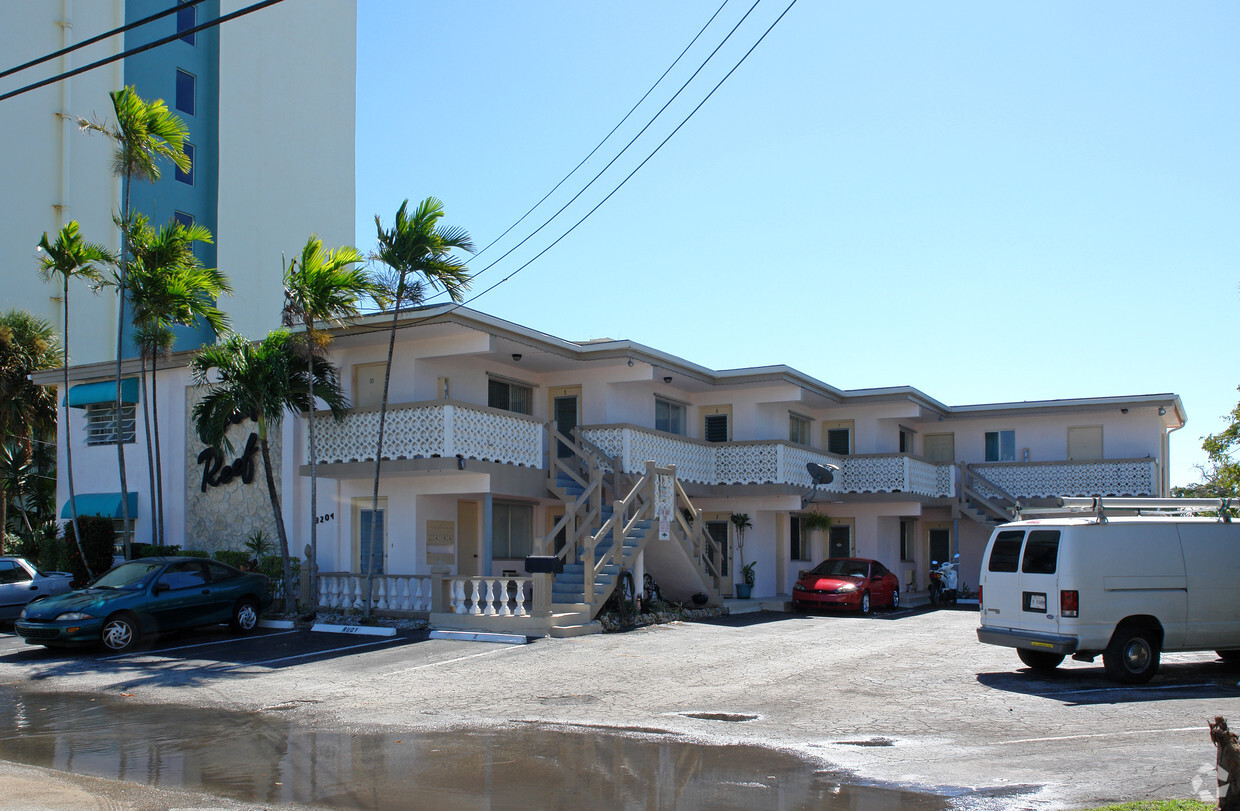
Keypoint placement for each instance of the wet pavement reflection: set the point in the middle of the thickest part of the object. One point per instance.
(262, 758)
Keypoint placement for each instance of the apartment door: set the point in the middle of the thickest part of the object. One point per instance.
(1085, 442)
(717, 527)
(939, 448)
(939, 539)
(368, 385)
(566, 411)
(369, 535)
(840, 540)
(468, 538)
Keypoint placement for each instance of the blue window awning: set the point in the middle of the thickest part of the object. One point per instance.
(103, 392)
(106, 504)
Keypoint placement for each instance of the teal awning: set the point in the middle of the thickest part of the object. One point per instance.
(104, 392)
(106, 504)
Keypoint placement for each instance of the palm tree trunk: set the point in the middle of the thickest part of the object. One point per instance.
(120, 339)
(159, 468)
(314, 480)
(374, 501)
(274, 495)
(150, 451)
(77, 531)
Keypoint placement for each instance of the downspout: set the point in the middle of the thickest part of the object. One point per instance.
(67, 122)
(1166, 459)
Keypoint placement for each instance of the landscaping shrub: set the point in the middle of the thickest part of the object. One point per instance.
(233, 557)
(98, 539)
(193, 553)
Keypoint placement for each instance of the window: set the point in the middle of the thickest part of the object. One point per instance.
(798, 429)
(799, 540)
(669, 416)
(186, 575)
(188, 176)
(101, 426)
(509, 396)
(837, 437)
(185, 91)
(716, 423)
(182, 219)
(186, 19)
(220, 572)
(906, 441)
(1006, 551)
(1042, 552)
(512, 530)
(1000, 446)
(906, 540)
(10, 572)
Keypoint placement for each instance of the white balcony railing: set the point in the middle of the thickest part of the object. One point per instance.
(1109, 477)
(440, 428)
(770, 462)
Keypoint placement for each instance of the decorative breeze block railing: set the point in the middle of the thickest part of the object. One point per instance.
(1125, 477)
(432, 429)
(390, 592)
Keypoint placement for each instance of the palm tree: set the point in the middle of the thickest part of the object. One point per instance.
(264, 380)
(71, 257)
(144, 132)
(321, 286)
(167, 286)
(418, 253)
(27, 410)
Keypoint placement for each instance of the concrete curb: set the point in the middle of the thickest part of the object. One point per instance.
(356, 630)
(476, 636)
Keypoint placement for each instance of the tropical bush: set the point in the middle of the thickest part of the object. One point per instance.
(98, 540)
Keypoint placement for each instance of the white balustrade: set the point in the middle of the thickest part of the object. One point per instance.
(432, 429)
(390, 592)
(491, 596)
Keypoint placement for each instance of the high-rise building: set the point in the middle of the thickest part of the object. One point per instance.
(269, 101)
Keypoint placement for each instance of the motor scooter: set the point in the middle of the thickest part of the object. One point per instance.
(943, 581)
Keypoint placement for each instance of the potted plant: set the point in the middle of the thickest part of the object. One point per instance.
(816, 521)
(741, 522)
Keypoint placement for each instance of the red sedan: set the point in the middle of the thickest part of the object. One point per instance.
(847, 583)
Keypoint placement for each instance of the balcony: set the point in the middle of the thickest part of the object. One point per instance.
(1102, 477)
(769, 462)
(440, 428)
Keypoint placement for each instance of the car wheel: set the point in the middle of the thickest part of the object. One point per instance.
(865, 603)
(120, 633)
(895, 599)
(1040, 660)
(244, 616)
(1132, 655)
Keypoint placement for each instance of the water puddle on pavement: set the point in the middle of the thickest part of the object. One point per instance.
(263, 758)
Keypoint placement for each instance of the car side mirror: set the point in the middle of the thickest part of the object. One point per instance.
(160, 588)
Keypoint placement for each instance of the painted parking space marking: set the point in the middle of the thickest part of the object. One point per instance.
(1110, 734)
(388, 642)
(230, 641)
(504, 649)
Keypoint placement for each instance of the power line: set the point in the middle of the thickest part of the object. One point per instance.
(104, 35)
(633, 140)
(457, 306)
(132, 51)
(605, 137)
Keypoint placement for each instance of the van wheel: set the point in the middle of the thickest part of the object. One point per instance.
(1132, 656)
(1039, 660)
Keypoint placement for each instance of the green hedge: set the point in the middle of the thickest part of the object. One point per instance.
(233, 557)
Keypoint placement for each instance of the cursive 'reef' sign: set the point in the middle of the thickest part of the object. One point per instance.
(215, 472)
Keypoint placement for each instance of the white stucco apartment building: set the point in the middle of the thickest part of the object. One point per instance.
(475, 477)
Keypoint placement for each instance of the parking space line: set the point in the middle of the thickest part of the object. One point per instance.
(388, 641)
(504, 649)
(1110, 734)
(229, 641)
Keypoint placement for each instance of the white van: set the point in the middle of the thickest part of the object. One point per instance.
(1126, 585)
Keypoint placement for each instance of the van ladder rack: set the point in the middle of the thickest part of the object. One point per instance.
(1132, 506)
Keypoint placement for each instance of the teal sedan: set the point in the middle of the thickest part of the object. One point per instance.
(146, 596)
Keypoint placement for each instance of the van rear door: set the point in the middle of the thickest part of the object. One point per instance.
(1001, 579)
(1039, 582)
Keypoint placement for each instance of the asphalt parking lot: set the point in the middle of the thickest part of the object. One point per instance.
(906, 698)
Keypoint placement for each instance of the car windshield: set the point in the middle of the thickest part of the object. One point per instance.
(837, 567)
(132, 575)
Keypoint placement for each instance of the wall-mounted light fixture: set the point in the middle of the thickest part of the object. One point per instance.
(1123, 411)
(1162, 412)
(667, 379)
(630, 363)
(516, 357)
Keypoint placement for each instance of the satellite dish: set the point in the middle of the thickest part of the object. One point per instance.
(821, 474)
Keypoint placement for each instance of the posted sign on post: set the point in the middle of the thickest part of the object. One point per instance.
(664, 503)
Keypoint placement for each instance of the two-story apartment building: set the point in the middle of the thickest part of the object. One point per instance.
(502, 442)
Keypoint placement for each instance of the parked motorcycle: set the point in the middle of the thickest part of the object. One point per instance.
(943, 580)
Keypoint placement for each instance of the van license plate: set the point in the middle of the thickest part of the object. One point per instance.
(1035, 602)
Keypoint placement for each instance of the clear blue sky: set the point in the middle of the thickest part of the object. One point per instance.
(987, 201)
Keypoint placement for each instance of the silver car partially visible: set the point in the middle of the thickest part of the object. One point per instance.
(21, 582)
